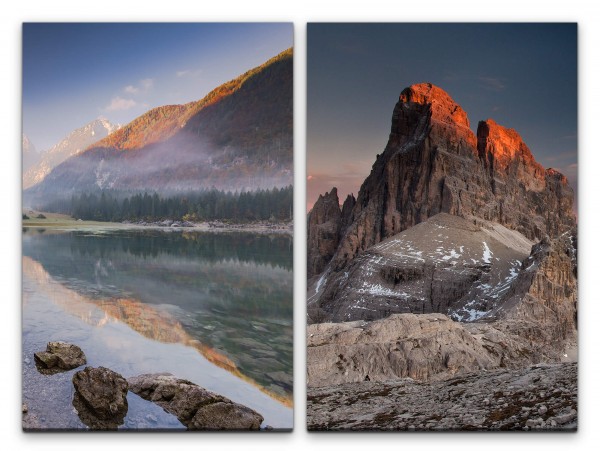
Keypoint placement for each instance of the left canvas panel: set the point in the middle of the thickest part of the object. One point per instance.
(157, 226)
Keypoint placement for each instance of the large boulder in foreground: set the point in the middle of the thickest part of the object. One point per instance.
(425, 347)
(194, 406)
(59, 356)
(100, 397)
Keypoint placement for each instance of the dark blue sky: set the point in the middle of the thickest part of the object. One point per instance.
(524, 76)
(74, 73)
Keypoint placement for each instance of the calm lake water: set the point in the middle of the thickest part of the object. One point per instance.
(216, 309)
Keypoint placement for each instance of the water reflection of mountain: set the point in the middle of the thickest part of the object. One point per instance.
(236, 305)
(205, 267)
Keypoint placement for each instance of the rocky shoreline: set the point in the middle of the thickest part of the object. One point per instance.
(66, 222)
(100, 396)
(254, 227)
(538, 398)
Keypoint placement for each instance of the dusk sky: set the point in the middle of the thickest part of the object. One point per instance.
(524, 76)
(75, 73)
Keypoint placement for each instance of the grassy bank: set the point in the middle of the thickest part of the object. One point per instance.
(49, 220)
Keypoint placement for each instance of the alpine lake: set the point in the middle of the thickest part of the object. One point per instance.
(213, 308)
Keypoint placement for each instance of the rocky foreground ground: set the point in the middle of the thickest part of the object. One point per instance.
(539, 397)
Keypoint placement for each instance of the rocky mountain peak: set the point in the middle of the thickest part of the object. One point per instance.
(72, 144)
(425, 109)
(324, 221)
(327, 206)
(502, 145)
(559, 176)
(27, 145)
(433, 163)
(443, 107)
(31, 157)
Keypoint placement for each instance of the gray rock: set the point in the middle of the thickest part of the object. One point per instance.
(46, 360)
(566, 418)
(422, 347)
(100, 397)
(438, 266)
(59, 356)
(194, 406)
(225, 415)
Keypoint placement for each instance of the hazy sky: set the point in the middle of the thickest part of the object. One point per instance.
(524, 76)
(74, 73)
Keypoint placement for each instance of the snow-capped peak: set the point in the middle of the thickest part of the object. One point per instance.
(72, 144)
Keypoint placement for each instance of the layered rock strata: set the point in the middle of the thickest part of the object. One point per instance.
(426, 347)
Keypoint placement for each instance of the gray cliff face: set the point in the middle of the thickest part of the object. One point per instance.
(327, 224)
(324, 221)
(434, 163)
(542, 301)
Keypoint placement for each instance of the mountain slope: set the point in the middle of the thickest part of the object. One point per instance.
(440, 265)
(239, 136)
(72, 144)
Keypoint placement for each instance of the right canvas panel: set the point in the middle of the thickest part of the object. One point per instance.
(442, 227)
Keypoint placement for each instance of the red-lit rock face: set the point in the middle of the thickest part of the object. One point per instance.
(424, 109)
(443, 108)
(433, 163)
(502, 144)
(506, 156)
